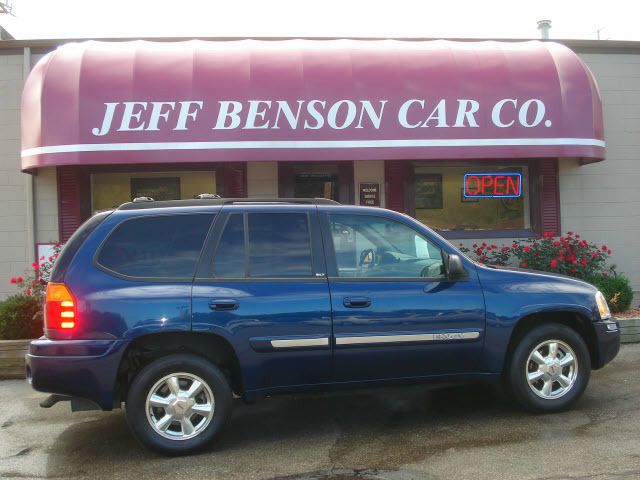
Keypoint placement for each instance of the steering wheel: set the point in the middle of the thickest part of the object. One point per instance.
(370, 254)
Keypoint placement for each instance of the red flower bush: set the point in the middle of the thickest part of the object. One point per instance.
(567, 254)
(489, 254)
(34, 283)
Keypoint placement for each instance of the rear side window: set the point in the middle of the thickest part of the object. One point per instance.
(73, 244)
(277, 245)
(164, 246)
(229, 260)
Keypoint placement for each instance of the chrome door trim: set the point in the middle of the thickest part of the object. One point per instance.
(300, 342)
(444, 336)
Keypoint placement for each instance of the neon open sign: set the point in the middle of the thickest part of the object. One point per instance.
(493, 185)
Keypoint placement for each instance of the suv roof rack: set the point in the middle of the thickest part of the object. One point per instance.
(137, 205)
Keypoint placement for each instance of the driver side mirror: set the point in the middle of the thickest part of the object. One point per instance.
(455, 268)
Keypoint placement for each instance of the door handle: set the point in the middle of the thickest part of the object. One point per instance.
(356, 302)
(223, 304)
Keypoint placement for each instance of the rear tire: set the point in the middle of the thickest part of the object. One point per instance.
(549, 369)
(176, 405)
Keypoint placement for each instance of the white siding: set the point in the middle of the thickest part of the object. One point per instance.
(262, 179)
(602, 200)
(45, 192)
(14, 251)
(369, 171)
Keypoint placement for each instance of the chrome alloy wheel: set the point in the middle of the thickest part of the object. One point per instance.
(552, 369)
(180, 406)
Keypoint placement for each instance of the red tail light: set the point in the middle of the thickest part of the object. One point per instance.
(60, 310)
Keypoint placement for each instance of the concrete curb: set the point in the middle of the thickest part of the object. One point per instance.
(12, 354)
(629, 330)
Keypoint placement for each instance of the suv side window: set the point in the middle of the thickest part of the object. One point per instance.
(162, 246)
(278, 245)
(367, 246)
(229, 260)
(73, 245)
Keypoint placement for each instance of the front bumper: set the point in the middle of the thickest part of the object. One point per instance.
(607, 341)
(76, 368)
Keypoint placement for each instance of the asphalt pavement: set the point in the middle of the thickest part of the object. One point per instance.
(403, 433)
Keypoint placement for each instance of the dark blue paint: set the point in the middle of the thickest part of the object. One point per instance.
(278, 309)
(406, 307)
(112, 311)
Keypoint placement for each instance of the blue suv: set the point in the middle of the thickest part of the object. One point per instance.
(174, 307)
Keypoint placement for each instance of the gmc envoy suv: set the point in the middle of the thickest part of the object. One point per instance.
(175, 307)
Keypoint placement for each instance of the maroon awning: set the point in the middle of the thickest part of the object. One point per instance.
(199, 101)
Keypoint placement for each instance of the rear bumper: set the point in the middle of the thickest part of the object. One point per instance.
(76, 368)
(607, 341)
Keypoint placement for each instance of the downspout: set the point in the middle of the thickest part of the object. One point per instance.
(31, 214)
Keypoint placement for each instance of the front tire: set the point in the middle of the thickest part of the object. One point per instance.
(177, 404)
(549, 369)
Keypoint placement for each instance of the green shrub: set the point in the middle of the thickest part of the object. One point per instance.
(616, 290)
(20, 317)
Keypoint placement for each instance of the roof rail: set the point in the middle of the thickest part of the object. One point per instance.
(308, 201)
(144, 204)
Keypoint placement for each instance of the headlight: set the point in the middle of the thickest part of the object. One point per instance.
(603, 308)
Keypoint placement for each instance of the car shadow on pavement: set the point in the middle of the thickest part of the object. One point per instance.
(384, 429)
(89, 446)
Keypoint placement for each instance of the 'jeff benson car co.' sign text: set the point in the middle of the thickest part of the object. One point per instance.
(316, 114)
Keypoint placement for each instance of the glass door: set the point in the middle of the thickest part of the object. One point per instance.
(315, 185)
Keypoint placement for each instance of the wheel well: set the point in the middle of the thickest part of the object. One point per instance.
(144, 350)
(577, 322)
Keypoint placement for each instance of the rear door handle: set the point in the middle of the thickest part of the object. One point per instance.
(223, 304)
(356, 302)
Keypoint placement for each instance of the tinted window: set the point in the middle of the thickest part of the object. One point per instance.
(73, 244)
(279, 245)
(375, 247)
(229, 260)
(165, 246)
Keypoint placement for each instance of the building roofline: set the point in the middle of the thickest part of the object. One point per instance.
(595, 46)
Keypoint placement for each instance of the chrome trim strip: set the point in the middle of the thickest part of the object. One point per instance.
(300, 342)
(408, 337)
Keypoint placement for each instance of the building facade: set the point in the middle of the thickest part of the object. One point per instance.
(518, 184)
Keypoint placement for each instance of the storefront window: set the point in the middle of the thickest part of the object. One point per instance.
(109, 190)
(329, 180)
(316, 185)
(441, 203)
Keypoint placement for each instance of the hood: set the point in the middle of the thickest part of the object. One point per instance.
(539, 278)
